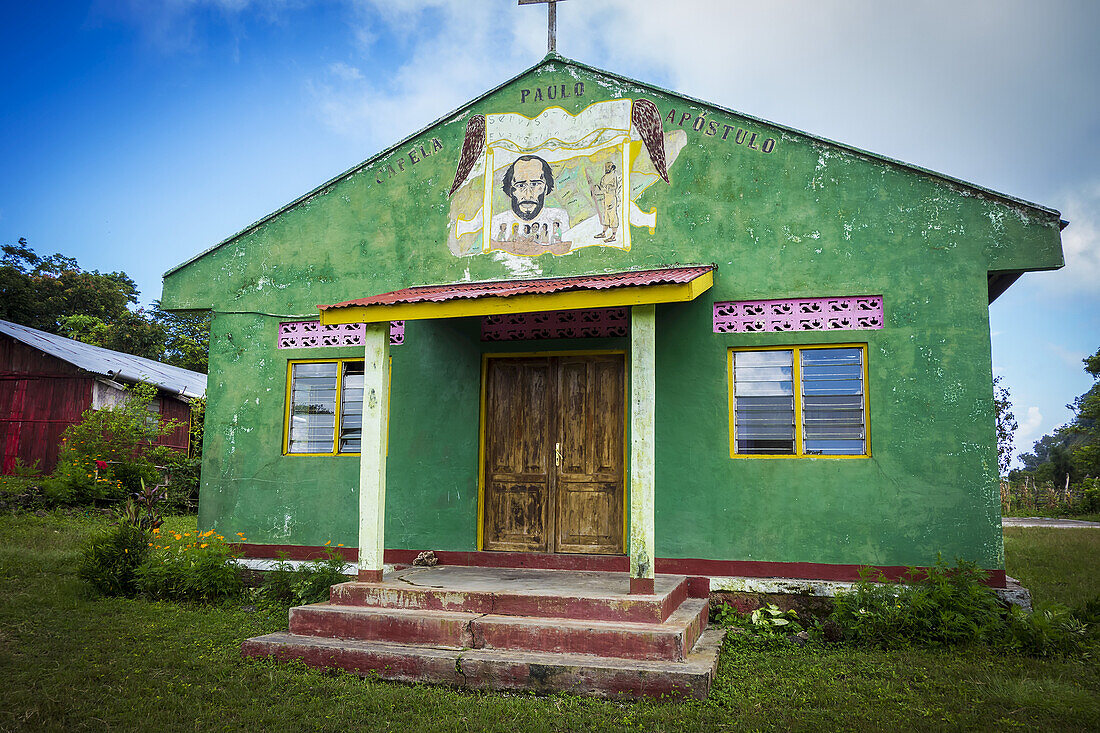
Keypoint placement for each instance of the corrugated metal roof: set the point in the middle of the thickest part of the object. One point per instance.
(505, 288)
(113, 364)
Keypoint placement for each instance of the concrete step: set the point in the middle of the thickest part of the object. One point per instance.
(542, 593)
(367, 623)
(497, 669)
(670, 640)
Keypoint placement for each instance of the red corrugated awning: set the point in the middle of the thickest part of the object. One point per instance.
(664, 285)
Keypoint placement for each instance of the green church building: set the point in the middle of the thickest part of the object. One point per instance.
(585, 323)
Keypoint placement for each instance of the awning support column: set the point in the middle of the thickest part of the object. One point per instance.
(372, 457)
(642, 410)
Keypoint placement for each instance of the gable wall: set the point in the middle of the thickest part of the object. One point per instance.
(806, 220)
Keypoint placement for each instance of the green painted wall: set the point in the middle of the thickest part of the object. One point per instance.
(808, 219)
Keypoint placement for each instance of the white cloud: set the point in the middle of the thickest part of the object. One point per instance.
(344, 71)
(456, 50)
(1081, 242)
(1029, 424)
(1070, 357)
(172, 26)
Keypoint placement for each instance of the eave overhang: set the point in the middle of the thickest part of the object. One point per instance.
(458, 300)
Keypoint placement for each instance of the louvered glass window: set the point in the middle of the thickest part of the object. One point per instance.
(802, 401)
(322, 396)
(763, 389)
(351, 409)
(832, 401)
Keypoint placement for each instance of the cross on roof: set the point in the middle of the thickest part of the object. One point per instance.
(551, 21)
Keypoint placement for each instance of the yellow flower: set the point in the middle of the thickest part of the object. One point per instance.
(156, 531)
(328, 543)
(203, 545)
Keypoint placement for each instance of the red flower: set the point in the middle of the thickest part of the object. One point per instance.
(101, 465)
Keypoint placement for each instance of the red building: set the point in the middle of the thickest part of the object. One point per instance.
(47, 382)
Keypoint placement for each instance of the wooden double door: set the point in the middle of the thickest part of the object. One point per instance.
(554, 454)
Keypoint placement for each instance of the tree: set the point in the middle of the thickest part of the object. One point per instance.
(1006, 425)
(54, 294)
(187, 337)
(1073, 449)
(40, 291)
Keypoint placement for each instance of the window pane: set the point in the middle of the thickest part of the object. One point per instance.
(312, 408)
(351, 408)
(763, 390)
(833, 422)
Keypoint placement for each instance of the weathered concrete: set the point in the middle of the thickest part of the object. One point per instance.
(372, 459)
(547, 593)
(503, 670)
(642, 422)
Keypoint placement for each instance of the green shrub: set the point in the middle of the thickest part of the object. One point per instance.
(767, 621)
(1090, 496)
(110, 559)
(952, 606)
(106, 456)
(309, 583)
(189, 567)
(943, 606)
(1044, 632)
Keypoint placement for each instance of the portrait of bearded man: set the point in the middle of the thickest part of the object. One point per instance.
(527, 182)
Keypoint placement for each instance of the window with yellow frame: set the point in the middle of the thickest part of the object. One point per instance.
(799, 401)
(324, 414)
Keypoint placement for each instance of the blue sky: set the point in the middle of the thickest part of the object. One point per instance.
(135, 134)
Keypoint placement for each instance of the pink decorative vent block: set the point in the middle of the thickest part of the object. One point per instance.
(802, 314)
(588, 323)
(311, 334)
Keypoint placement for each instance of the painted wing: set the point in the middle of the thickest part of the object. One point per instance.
(647, 121)
(472, 148)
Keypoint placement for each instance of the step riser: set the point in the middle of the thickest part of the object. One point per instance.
(400, 666)
(641, 610)
(381, 626)
(667, 646)
(472, 632)
(457, 670)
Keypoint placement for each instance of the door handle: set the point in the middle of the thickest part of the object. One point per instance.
(557, 454)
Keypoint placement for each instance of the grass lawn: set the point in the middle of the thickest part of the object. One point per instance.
(74, 662)
(1058, 565)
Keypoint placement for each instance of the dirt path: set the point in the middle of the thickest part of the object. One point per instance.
(1047, 522)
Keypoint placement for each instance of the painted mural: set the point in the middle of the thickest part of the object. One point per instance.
(557, 182)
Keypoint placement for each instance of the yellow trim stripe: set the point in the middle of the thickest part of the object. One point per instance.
(492, 305)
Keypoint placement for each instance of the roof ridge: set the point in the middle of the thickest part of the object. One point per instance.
(552, 57)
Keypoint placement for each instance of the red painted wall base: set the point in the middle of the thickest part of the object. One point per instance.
(641, 586)
(613, 563)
